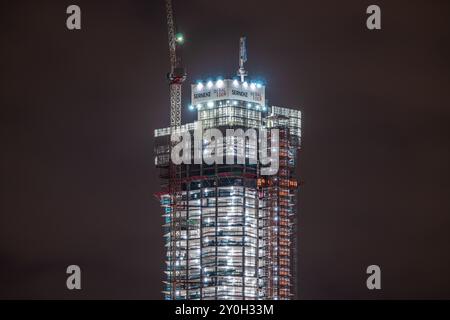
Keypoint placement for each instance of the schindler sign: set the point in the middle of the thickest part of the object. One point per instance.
(228, 89)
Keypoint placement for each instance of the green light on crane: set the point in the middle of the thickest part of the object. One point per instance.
(179, 38)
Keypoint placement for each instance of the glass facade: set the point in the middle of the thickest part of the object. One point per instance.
(229, 231)
(230, 113)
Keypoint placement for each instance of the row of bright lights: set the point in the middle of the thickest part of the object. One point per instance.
(210, 104)
(220, 83)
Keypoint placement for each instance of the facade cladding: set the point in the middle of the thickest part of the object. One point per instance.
(230, 231)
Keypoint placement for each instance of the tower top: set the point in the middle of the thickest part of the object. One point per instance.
(224, 89)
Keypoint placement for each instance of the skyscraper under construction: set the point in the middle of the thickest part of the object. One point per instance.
(230, 231)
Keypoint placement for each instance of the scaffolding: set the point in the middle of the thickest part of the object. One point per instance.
(232, 236)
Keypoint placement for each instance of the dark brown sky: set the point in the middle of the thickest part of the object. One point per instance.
(78, 110)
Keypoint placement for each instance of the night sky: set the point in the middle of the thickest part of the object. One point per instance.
(78, 110)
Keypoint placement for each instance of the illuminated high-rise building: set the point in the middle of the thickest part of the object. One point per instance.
(229, 230)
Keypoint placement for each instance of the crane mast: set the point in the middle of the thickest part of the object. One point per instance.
(177, 74)
(176, 77)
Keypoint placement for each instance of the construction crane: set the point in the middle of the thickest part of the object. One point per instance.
(176, 77)
(177, 74)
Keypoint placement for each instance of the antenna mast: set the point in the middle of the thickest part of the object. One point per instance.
(242, 73)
